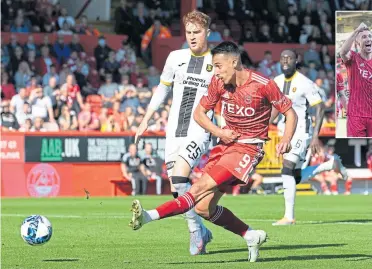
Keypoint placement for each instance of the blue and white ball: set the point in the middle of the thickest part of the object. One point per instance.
(36, 230)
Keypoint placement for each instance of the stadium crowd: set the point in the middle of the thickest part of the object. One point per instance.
(51, 87)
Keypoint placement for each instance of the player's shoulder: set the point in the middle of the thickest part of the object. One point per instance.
(279, 78)
(260, 78)
(180, 52)
(125, 156)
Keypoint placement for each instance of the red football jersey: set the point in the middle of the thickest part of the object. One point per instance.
(359, 73)
(247, 108)
(340, 83)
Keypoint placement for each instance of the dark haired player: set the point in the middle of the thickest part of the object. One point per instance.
(248, 98)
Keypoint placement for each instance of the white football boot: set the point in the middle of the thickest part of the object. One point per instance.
(254, 239)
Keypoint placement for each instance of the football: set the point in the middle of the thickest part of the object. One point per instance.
(36, 230)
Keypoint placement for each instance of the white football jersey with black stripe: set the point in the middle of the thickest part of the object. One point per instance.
(189, 76)
(304, 93)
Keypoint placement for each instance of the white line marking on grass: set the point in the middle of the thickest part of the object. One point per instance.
(128, 216)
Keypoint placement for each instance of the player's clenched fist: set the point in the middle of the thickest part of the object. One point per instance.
(361, 27)
(282, 147)
(228, 136)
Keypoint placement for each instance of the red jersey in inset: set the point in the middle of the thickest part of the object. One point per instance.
(247, 108)
(359, 73)
(340, 83)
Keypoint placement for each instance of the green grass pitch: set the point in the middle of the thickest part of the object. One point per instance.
(331, 232)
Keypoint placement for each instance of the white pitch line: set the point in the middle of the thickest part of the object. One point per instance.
(127, 216)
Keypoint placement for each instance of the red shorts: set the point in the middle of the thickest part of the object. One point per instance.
(359, 127)
(234, 163)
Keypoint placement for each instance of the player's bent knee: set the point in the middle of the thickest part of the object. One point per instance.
(202, 210)
(202, 187)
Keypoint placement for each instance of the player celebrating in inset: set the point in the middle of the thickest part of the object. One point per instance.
(359, 72)
(188, 73)
(303, 92)
(248, 98)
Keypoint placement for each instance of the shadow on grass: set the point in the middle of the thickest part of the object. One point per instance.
(276, 247)
(347, 257)
(61, 260)
(344, 221)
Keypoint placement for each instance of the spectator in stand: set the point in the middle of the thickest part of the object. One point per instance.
(141, 22)
(264, 34)
(128, 97)
(267, 65)
(152, 167)
(16, 104)
(38, 125)
(136, 123)
(13, 44)
(124, 88)
(111, 66)
(73, 91)
(280, 36)
(162, 122)
(8, 120)
(7, 88)
(72, 61)
(101, 52)
(48, 19)
(49, 89)
(67, 120)
(328, 36)
(32, 85)
(131, 167)
(19, 26)
(88, 120)
(65, 29)
(26, 127)
(51, 74)
(157, 30)
(124, 51)
(32, 61)
(324, 52)
(120, 120)
(282, 23)
(153, 78)
(123, 19)
(75, 44)
(5, 57)
(46, 43)
(61, 50)
(41, 106)
(128, 112)
(26, 21)
(24, 114)
(65, 18)
(312, 55)
(214, 35)
(293, 22)
(312, 72)
(30, 45)
(137, 74)
(16, 59)
(65, 71)
(247, 36)
(22, 76)
(226, 35)
(327, 65)
(108, 91)
(144, 96)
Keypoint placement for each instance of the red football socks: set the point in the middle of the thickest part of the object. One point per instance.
(226, 219)
(177, 206)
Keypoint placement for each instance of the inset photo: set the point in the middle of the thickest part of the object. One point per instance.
(353, 74)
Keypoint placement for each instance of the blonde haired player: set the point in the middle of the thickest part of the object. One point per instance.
(188, 73)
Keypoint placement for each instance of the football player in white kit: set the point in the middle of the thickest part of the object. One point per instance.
(303, 93)
(188, 73)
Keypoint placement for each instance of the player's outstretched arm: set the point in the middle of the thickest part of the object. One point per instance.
(157, 99)
(346, 47)
(290, 127)
(200, 116)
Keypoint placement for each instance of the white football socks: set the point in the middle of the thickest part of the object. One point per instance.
(194, 222)
(150, 215)
(289, 185)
